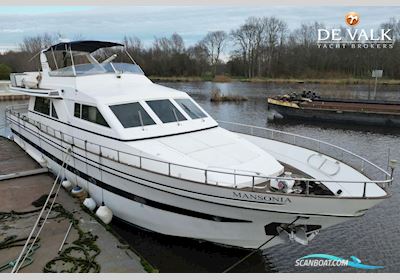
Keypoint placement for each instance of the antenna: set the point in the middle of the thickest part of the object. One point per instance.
(134, 62)
(33, 57)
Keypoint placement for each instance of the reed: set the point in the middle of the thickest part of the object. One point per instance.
(216, 96)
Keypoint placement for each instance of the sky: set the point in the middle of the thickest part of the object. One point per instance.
(147, 22)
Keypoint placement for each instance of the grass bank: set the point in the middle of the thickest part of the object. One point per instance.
(224, 79)
(227, 79)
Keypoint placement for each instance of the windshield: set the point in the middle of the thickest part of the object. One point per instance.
(190, 108)
(166, 111)
(93, 69)
(132, 115)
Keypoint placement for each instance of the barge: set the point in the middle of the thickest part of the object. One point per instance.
(314, 108)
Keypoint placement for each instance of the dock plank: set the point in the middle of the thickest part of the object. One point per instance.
(18, 194)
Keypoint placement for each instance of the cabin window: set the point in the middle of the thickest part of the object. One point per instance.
(42, 105)
(166, 111)
(132, 115)
(77, 110)
(190, 108)
(53, 111)
(45, 106)
(89, 113)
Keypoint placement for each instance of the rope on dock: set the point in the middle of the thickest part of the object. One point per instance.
(80, 257)
(13, 240)
(24, 253)
(254, 251)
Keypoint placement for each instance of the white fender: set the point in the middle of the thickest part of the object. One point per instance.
(66, 184)
(105, 214)
(89, 203)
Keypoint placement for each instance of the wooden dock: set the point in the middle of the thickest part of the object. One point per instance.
(92, 246)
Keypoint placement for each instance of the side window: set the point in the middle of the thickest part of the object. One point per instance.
(132, 115)
(93, 114)
(166, 111)
(89, 113)
(77, 110)
(42, 105)
(190, 108)
(53, 111)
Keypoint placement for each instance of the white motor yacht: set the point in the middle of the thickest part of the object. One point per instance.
(159, 161)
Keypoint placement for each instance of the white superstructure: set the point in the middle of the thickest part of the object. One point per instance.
(159, 161)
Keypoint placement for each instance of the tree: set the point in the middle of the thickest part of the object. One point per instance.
(215, 43)
(274, 32)
(177, 44)
(35, 44)
(5, 71)
(262, 46)
(199, 54)
(248, 38)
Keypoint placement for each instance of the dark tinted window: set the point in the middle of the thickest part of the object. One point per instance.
(190, 108)
(42, 105)
(166, 111)
(92, 114)
(77, 110)
(132, 115)
(53, 111)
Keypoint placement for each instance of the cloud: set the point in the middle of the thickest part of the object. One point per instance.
(146, 22)
(15, 30)
(39, 10)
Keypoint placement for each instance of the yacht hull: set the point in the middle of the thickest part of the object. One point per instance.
(179, 207)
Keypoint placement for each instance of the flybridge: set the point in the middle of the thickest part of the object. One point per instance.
(354, 35)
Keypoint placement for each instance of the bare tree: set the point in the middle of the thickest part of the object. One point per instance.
(215, 43)
(261, 46)
(177, 44)
(169, 46)
(35, 44)
(394, 26)
(199, 54)
(248, 38)
(307, 34)
(274, 33)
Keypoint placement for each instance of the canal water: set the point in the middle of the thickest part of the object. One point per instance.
(373, 238)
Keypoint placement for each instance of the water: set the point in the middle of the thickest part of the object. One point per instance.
(374, 238)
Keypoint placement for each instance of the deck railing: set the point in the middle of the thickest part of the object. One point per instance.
(242, 179)
(368, 168)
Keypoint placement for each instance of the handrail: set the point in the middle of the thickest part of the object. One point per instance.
(306, 138)
(101, 152)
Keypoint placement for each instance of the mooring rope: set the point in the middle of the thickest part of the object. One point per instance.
(18, 263)
(255, 250)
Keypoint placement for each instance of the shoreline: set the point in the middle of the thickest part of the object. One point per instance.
(227, 79)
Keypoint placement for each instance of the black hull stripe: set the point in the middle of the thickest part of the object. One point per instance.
(139, 178)
(246, 208)
(118, 139)
(132, 196)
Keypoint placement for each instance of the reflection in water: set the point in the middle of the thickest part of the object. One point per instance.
(3, 105)
(372, 238)
(175, 254)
